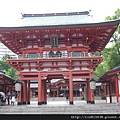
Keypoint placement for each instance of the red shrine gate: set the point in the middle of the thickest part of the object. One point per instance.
(61, 47)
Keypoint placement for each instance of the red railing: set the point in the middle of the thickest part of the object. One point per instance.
(52, 56)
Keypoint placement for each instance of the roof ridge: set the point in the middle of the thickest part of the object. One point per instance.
(56, 14)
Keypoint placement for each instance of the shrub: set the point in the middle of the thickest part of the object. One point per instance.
(103, 97)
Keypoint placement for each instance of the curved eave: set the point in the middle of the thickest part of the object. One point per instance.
(7, 78)
(106, 23)
(97, 41)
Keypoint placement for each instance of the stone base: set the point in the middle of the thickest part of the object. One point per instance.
(19, 103)
(71, 103)
(92, 102)
(28, 103)
(88, 101)
(24, 103)
(40, 103)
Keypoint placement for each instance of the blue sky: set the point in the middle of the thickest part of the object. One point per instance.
(10, 9)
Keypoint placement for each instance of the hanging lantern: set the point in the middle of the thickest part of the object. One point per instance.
(18, 85)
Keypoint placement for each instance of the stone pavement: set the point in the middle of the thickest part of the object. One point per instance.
(62, 107)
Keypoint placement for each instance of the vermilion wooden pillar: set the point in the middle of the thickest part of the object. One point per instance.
(42, 91)
(91, 93)
(57, 91)
(110, 91)
(70, 89)
(41, 53)
(92, 101)
(81, 94)
(39, 89)
(19, 94)
(69, 53)
(4, 88)
(45, 92)
(13, 88)
(117, 88)
(107, 91)
(99, 91)
(28, 92)
(24, 92)
(86, 53)
(20, 97)
(23, 54)
(88, 92)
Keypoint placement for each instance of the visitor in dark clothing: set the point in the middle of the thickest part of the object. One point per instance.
(8, 97)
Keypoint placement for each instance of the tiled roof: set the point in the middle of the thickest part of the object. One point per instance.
(56, 19)
(6, 77)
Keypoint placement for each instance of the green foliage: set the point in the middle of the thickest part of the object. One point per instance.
(115, 16)
(5, 57)
(103, 97)
(12, 73)
(4, 66)
(111, 60)
(100, 70)
(101, 90)
(111, 54)
(7, 68)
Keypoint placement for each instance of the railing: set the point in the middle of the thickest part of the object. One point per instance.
(47, 56)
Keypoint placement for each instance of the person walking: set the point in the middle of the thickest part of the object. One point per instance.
(67, 98)
(3, 98)
(13, 98)
(8, 97)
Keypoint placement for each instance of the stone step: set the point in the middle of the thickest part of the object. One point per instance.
(43, 109)
(63, 98)
(61, 107)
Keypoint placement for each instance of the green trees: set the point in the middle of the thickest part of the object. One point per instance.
(111, 54)
(7, 68)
